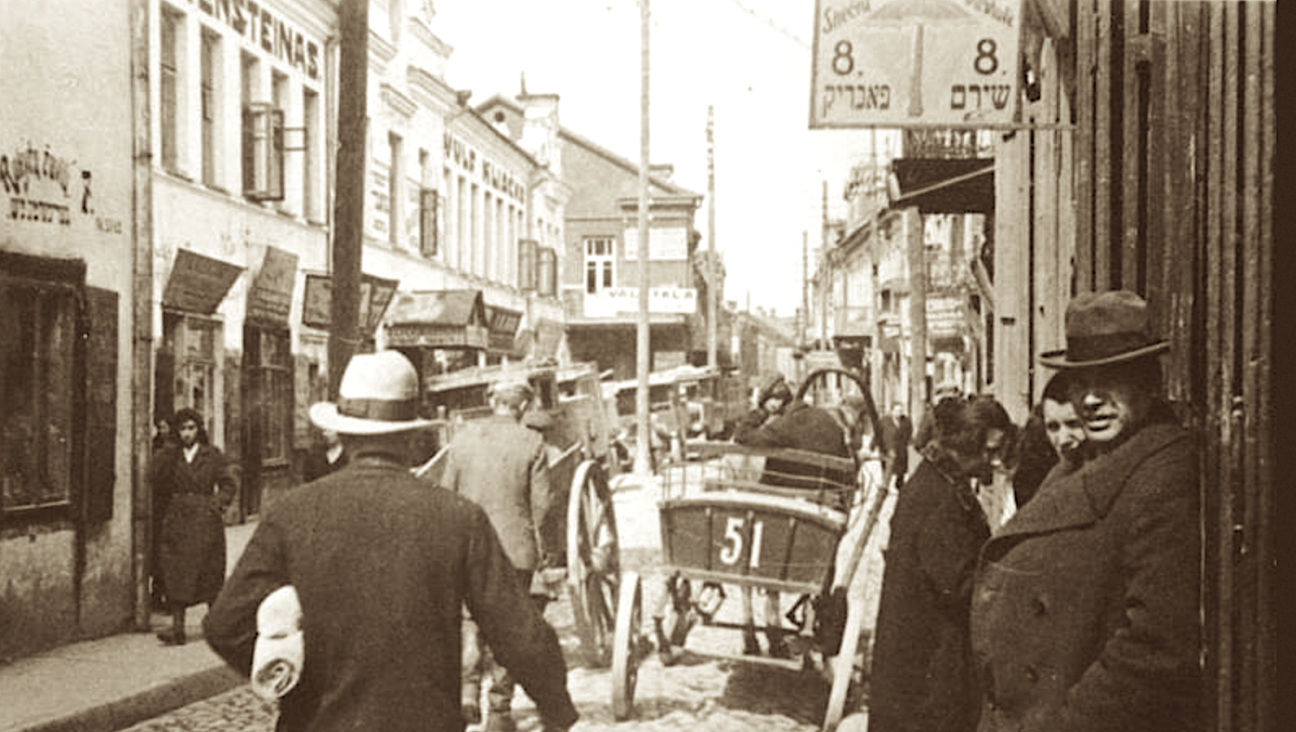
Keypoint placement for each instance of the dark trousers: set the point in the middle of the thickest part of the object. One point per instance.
(477, 662)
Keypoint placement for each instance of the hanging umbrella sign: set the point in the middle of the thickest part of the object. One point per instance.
(915, 63)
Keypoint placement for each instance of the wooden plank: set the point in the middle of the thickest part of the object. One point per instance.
(1132, 186)
(1178, 211)
(1103, 148)
(1217, 504)
(1157, 248)
(1042, 267)
(1084, 145)
(1265, 531)
(1253, 361)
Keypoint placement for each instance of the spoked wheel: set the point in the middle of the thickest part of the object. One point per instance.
(593, 561)
(629, 647)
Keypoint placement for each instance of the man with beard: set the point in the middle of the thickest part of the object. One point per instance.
(920, 678)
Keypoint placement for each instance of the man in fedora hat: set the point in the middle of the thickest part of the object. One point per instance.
(383, 565)
(1085, 610)
(501, 465)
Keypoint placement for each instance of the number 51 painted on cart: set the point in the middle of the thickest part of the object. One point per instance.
(915, 63)
(732, 549)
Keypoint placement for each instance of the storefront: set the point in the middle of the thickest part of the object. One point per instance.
(440, 331)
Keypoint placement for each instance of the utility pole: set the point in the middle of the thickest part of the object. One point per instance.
(825, 270)
(803, 319)
(712, 275)
(643, 443)
(348, 204)
(917, 251)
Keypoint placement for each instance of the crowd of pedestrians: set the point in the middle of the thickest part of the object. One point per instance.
(1079, 612)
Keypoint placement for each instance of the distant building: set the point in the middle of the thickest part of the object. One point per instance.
(600, 277)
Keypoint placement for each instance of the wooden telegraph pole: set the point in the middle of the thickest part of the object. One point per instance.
(917, 251)
(348, 204)
(712, 269)
(643, 444)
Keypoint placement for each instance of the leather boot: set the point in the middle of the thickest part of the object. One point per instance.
(175, 635)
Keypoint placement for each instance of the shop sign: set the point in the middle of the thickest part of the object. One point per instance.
(437, 335)
(503, 325)
(375, 295)
(270, 296)
(613, 301)
(909, 64)
(198, 283)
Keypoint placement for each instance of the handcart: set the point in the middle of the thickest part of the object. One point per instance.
(766, 519)
(570, 413)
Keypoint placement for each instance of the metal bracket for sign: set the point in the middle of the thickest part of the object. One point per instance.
(989, 126)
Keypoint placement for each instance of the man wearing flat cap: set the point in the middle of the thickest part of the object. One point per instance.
(501, 465)
(1085, 612)
(383, 565)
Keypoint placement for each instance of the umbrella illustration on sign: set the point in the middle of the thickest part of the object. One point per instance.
(919, 12)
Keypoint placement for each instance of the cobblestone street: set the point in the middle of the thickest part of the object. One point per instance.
(700, 691)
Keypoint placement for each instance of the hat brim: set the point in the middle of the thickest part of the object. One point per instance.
(325, 416)
(1058, 359)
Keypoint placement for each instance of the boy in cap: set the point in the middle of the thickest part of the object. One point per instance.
(1085, 612)
(383, 565)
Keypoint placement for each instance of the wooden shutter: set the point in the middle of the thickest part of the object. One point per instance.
(100, 404)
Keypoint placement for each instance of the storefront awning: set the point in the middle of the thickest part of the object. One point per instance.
(439, 319)
(942, 185)
(198, 283)
(269, 299)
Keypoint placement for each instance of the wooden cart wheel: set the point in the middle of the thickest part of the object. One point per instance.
(593, 561)
(627, 646)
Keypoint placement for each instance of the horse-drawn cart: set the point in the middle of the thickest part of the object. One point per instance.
(774, 520)
(569, 412)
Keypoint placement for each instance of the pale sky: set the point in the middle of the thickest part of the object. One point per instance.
(750, 59)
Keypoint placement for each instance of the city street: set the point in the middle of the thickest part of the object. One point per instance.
(700, 691)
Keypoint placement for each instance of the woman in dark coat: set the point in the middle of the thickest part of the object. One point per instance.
(198, 484)
(920, 678)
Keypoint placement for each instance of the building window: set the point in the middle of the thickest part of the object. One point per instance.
(429, 206)
(169, 89)
(210, 47)
(394, 176)
(272, 364)
(310, 123)
(279, 102)
(548, 271)
(37, 351)
(599, 262)
(527, 261)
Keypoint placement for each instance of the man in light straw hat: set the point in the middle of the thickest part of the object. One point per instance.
(383, 565)
(1085, 609)
(501, 465)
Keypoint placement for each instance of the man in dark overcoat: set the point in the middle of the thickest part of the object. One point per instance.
(501, 465)
(895, 432)
(1085, 615)
(383, 564)
(195, 483)
(920, 679)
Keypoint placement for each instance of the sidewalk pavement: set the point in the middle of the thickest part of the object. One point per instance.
(111, 683)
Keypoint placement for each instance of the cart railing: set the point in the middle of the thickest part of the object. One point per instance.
(827, 480)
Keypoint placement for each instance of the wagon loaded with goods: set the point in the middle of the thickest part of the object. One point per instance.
(773, 520)
(569, 412)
